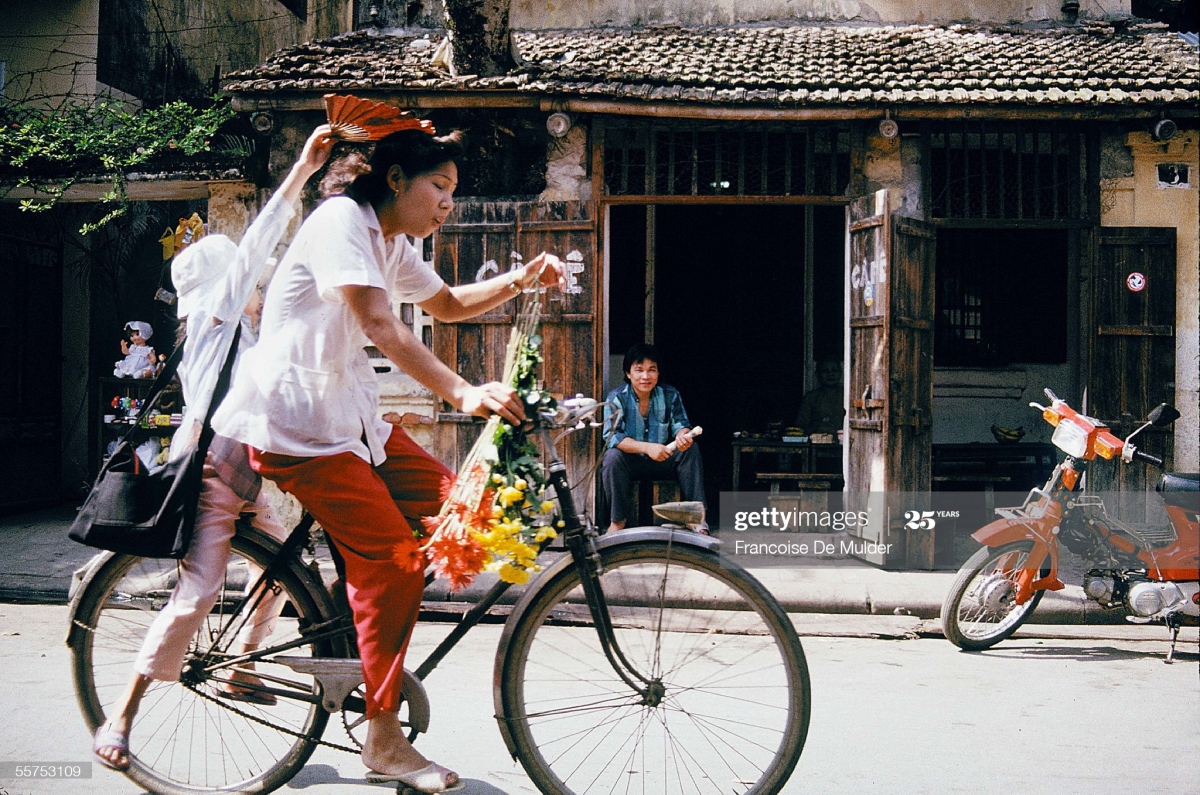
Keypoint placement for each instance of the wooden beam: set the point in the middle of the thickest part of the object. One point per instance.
(548, 103)
(157, 190)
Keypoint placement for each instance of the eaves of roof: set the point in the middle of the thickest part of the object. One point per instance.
(781, 71)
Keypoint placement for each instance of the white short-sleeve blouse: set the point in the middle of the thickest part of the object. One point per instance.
(307, 388)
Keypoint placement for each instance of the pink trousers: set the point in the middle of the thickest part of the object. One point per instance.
(363, 508)
(201, 574)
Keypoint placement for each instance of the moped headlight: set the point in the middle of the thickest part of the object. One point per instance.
(1071, 439)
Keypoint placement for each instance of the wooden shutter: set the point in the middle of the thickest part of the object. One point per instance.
(1132, 367)
(483, 238)
(890, 299)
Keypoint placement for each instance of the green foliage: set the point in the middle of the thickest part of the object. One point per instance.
(51, 151)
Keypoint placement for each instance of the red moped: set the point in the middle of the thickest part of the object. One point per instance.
(1151, 573)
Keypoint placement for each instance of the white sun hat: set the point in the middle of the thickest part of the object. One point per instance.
(197, 265)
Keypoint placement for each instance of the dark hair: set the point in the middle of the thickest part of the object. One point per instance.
(642, 352)
(416, 153)
(345, 165)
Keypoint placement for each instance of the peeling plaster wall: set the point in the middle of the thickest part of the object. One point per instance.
(566, 168)
(1136, 199)
(530, 14)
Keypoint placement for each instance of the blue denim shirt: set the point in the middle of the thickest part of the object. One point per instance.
(667, 416)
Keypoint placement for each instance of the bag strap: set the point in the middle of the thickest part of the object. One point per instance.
(206, 431)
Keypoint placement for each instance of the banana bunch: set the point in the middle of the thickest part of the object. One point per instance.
(1003, 434)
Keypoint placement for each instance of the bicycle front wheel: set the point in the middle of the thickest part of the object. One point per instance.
(728, 706)
(189, 736)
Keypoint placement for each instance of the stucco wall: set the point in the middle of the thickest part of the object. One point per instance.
(1139, 200)
(576, 14)
(49, 52)
(242, 33)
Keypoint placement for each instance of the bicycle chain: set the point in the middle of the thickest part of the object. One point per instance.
(225, 703)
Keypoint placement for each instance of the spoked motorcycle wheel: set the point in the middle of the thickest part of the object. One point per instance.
(981, 609)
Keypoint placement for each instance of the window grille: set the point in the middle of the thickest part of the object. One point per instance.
(726, 161)
(992, 287)
(1005, 171)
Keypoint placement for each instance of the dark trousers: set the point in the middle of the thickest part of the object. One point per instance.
(618, 471)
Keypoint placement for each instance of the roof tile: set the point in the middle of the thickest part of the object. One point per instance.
(1096, 63)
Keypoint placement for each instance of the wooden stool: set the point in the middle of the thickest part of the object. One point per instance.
(648, 493)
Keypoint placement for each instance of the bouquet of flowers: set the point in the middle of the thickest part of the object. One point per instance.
(496, 514)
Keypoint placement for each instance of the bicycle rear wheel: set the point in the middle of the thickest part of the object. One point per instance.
(187, 737)
(734, 706)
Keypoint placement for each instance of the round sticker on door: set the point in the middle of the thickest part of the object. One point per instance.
(1136, 282)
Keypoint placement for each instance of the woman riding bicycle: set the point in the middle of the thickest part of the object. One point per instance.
(216, 283)
(307, 403)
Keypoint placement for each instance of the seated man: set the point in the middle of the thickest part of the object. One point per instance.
(822, 410)
(652, 415)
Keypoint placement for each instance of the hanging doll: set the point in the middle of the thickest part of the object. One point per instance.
(139, 361)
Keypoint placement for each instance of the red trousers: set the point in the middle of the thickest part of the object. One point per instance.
(364, 508)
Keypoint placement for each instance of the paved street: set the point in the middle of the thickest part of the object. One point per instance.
(1041, 714)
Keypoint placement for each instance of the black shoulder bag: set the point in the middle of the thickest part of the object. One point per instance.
(150, 512)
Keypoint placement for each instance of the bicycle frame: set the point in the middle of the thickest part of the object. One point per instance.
(580, 540)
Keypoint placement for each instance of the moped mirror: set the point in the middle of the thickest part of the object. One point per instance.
(1162, 415)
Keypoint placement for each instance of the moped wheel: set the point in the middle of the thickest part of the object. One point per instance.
(981, 608)
(727, 710)
(189, 738)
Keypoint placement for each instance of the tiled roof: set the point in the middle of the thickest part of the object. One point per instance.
(780, 66)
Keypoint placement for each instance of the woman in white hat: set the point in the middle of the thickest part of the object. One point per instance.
(216, 282)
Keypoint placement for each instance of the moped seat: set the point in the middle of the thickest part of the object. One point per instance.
(1180, 489)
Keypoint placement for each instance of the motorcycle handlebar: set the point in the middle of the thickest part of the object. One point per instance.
(1149, 459)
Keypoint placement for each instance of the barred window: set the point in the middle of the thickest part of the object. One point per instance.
(1005, 171)
(726, 161)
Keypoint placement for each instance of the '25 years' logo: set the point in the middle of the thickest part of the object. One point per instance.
(919, 520)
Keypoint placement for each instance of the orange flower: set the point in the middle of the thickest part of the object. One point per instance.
(407, 555)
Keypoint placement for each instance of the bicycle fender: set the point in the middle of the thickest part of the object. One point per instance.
(633, 535)
(80, 579)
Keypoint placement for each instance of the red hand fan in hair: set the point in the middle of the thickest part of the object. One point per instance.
(354, 119)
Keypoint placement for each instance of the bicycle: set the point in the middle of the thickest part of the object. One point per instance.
(624, 664)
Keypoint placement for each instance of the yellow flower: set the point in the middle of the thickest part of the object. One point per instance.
(547, 506)
(513, 574)
(560, 524)
(497, 512)
(521, 484)
(508, 496)
(545, 532)
(497, 479)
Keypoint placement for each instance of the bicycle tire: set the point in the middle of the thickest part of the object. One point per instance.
(186, 739)
(979, 610)
(706, 629)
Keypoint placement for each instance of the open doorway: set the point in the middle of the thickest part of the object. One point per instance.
(740, 301)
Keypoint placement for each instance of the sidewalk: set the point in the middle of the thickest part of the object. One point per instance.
(37, 560)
